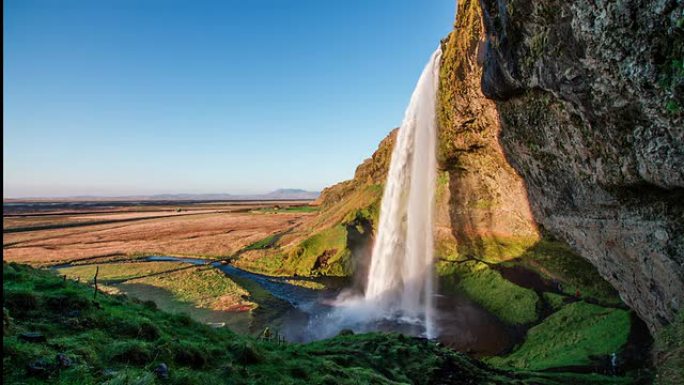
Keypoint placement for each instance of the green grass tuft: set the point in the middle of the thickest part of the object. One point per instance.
(570, 337)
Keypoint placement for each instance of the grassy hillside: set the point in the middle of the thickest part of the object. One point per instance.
(56, 333)
(326, 243)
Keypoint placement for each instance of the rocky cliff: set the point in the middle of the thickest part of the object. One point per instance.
(485, 198)
(589, 96)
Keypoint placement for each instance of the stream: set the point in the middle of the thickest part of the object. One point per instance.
(307, 314)
(300, 314)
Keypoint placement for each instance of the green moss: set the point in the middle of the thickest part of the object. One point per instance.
(570, 337)
(556, 261)
(200, 286)
(494, 249)
(118, 271)
(313, 285)
(555, 301)
(265, 243)
(669, 353)
(509, 302)
(325, 252)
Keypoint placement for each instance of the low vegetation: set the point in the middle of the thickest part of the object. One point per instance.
(668, 353)
(570, 338)
(201, 286)
(509, 302)
(555, 261)
(118, 271)
(55, 333)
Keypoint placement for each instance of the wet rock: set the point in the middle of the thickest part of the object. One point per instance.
(162, 371)
(35, 337)
(63, 361)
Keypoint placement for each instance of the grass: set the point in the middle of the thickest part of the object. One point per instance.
(265, 243)
(119, 341)
(570, 337)
(322, 246)
(313, 285)
(669, 353)
(554, 300)
(202, 286)
(509, 302)
(119, 271)
(269, 264)
(555, 260)
(325, 252)
(215, 234)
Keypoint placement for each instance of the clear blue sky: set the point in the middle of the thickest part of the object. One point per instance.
(116, 97)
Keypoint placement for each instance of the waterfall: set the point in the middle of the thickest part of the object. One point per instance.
(400, 279)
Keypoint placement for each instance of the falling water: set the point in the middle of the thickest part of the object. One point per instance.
(400, 281)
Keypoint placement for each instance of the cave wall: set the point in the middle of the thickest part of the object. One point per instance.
(589, 97)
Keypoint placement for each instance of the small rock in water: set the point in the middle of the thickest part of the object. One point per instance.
(162, 371)
(64, 361)
(32, 337)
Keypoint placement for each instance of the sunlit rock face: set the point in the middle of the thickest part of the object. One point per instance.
(482, 201)
(591, 102)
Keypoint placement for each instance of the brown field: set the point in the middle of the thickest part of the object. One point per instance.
(199, 230)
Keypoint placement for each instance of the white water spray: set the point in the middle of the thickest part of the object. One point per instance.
(400, 280)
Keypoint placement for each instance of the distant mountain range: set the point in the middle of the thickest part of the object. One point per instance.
(280, 194)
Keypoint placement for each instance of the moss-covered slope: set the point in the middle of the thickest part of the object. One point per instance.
(338, 236)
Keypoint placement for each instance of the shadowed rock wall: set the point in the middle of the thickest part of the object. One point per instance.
(589, 96)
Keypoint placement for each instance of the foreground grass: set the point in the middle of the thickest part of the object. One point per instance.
(117, 341)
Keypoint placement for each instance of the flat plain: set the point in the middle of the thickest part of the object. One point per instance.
(75, 233)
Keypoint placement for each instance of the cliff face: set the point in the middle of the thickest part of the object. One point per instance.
(589, 96)
(485, 197)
